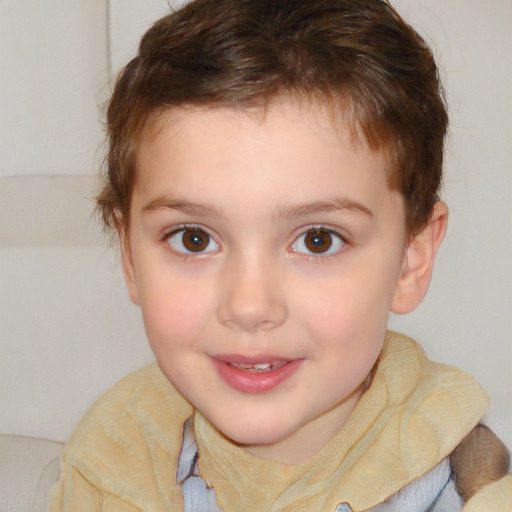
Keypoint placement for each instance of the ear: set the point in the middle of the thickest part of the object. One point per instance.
(418, 262)
(128, 268)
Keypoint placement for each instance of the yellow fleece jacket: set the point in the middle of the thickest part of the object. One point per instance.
(123, 455)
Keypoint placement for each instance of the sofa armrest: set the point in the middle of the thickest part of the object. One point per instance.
(28, 469)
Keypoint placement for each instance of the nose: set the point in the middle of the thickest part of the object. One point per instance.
(251, 297)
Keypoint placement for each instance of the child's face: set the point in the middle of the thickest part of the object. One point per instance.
(265, 256)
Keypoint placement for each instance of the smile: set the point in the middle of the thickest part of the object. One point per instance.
(258, 368)
(255, 376)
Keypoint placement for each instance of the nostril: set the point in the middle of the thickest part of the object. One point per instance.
(248, 326)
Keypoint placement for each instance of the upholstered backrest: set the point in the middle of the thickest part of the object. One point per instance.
(68, 328)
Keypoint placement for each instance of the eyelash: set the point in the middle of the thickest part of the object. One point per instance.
(340, 241)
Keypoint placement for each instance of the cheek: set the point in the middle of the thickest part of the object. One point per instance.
(346, 304)
(348, 314)
(173, 314)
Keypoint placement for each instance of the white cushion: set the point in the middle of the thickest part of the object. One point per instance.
(28, 469)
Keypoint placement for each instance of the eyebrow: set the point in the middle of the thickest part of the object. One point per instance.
(283, 212)
(332, 205)
(189, 207)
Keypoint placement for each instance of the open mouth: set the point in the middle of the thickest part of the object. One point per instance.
(258, 368)
(258, 375)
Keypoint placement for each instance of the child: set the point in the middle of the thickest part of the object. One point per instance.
(273, 175)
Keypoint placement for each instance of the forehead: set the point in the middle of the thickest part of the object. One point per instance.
(294, 150)
(335, 114)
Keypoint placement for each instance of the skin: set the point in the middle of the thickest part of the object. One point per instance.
(256, 186)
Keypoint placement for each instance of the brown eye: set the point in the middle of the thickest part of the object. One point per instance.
(192, 240)
(195, 240)
(318, 241)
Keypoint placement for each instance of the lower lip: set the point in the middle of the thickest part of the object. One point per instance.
(255, 382)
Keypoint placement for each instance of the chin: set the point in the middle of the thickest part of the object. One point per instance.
(255, 433)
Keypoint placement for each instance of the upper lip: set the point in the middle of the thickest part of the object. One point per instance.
(251, 360)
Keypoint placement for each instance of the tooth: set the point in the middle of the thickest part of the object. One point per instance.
(263, 366)
(260, 367)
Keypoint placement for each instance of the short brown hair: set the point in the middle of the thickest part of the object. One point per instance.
(245, 53)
